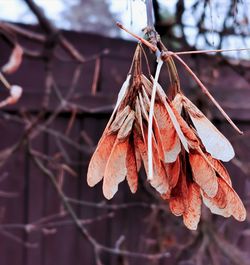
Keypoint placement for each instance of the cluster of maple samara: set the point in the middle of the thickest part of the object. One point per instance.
(186, 152)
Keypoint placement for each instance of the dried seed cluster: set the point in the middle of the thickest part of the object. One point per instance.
(186, 152)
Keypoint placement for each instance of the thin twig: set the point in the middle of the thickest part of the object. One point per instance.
(5, 81)
(147, 43)
(103, 205)
(96, 76)
(211, 51)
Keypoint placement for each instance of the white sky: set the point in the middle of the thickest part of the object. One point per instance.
(16, 10)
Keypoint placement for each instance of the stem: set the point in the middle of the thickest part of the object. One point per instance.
(150, 123)
(145, 42)
(150, 30)
(150, 16)
(5, 81)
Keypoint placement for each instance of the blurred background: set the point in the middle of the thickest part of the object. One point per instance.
(204, 24)
(72, 63)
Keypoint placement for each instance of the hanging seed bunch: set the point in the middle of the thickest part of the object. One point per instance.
(123, 145)
(178, 146)
(201, 174)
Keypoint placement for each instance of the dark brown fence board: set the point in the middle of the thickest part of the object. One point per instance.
(16, 182)
(38, 185)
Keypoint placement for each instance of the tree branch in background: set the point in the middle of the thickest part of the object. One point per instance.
(54, 35)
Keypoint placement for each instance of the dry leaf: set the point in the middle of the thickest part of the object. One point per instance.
(98, 161)
(15, 60)
(192, 214)
(234, 205)
(116, 168)
(203, 174)
(214, 141)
